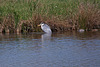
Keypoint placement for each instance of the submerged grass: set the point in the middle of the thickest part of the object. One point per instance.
(61, 15)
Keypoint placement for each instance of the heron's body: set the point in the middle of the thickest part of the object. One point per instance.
(45, 28)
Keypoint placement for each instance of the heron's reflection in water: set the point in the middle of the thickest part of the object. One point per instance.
(46, 38)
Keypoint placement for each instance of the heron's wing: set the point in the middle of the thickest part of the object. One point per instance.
(46, 28)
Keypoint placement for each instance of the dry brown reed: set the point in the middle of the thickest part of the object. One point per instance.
(87, 17)
(8, 24)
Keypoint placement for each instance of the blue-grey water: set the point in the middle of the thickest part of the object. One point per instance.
(69, 49)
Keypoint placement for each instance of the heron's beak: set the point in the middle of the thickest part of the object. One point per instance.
(39, 25)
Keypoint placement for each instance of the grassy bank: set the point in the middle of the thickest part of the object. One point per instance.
(61, 15)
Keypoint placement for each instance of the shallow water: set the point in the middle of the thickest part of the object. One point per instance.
(69, 49)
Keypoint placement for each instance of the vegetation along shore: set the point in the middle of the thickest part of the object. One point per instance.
(61, 15)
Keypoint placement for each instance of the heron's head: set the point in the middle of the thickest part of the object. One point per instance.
(41, 24)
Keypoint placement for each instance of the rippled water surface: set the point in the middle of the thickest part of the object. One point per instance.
(69, 49)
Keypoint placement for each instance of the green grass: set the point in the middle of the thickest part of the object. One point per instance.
(25, 9)
(22, 9)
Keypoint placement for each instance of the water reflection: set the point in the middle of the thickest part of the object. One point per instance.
(45, 37)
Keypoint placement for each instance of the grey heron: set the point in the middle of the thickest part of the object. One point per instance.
(45, 27)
